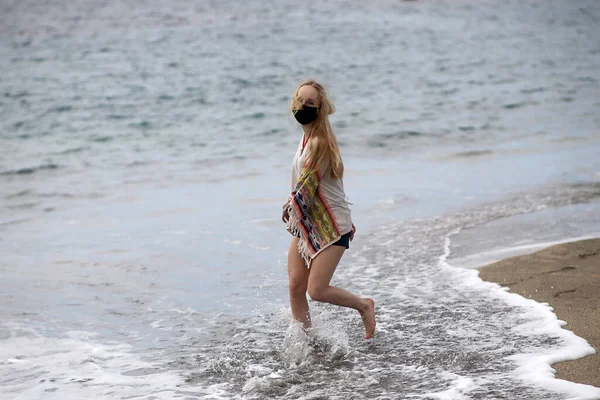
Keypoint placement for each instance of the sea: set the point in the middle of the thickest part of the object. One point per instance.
(145, 155)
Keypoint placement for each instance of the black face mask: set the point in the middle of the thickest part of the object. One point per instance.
(306, 115)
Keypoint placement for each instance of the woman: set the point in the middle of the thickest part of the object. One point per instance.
(317, 213)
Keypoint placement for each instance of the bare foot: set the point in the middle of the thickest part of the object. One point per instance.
(368, 317)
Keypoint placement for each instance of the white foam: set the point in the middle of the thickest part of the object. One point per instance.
(77, 366)
(488, 257)
(257, 383)
(461, 386)
(296, 347)
(257, 247)
(325, 332)
(535, 366)
(387, 202)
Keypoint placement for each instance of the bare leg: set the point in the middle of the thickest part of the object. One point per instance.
(298, 277)
(321, 271)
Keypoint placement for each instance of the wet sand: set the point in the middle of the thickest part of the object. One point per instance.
(567, 276)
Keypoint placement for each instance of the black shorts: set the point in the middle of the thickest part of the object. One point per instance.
(343, 241)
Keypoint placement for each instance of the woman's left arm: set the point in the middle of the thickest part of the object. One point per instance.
(353, 232)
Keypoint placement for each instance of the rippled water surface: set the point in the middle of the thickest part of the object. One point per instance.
(145, 152)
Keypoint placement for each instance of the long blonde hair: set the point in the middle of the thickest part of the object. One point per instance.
(322, 145)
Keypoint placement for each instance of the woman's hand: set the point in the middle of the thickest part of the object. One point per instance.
(353, 232)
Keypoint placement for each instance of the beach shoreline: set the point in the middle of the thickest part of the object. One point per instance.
(566, 276)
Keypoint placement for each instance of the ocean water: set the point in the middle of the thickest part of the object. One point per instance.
(145, 152)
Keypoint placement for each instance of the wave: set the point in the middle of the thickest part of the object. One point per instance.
(208, 162)
(384, 139)
(510, 106)
(469, 154)
(30, 170)
(50, 195)
(71, 150)
(270, 132)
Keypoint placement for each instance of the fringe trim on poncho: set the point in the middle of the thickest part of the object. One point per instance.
(310, 217)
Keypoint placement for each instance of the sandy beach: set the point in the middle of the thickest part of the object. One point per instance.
(567, 276)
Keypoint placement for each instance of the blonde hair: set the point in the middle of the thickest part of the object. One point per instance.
(322, 145)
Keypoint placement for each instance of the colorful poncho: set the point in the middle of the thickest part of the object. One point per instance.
(310, 217)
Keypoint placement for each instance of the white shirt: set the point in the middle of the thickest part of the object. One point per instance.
(331, 189)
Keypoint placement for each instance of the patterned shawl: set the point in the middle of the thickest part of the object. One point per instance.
(310, 216)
